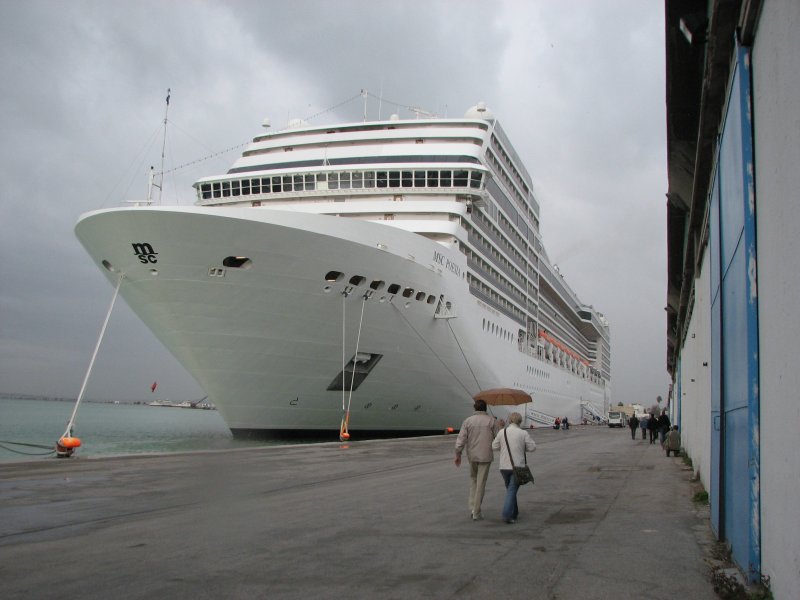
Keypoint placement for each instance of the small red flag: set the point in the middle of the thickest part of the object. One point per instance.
(154, 386)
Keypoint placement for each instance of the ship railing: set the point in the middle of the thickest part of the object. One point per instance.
(478, 243)
(596, 414)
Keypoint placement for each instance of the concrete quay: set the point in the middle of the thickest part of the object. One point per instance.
(607, 517)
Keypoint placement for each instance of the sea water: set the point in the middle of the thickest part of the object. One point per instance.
(108, 429)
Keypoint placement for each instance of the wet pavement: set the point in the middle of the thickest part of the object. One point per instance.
(607, 517)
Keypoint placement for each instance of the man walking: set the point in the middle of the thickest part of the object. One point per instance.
(633, 423)
(476, 435)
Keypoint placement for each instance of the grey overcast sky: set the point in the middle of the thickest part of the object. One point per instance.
(578, 86)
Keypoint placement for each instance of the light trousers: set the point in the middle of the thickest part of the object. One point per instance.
(478, 473)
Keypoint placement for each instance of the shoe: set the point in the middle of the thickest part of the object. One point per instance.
(510, 521)
(477, 517)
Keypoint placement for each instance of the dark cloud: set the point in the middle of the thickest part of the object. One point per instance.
(579, 88)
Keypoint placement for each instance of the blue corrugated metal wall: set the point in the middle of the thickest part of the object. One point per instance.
(735, 488)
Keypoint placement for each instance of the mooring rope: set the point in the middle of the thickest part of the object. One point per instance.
(424, 341)
(344, 312)
(355, 357)
(71, 422)
(50, 449)
(344, 434)
(469, 366)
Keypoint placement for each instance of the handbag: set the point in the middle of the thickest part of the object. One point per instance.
(522, 474)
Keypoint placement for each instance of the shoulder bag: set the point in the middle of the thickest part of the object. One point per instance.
(522, 474)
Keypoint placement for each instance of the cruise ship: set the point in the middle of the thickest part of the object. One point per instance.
(367, 277)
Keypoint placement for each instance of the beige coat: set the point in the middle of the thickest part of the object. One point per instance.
(476, 435)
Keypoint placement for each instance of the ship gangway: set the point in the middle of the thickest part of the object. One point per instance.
(597, 415)
(539, 418)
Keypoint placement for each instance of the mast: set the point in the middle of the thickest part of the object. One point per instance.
(152, 176)
(163, 150)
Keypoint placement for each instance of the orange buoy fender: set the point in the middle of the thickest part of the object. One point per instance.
(69, 442)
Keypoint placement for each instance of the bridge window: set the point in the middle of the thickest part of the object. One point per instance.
(341, 180)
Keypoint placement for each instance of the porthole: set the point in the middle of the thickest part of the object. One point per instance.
(393, 289)
(357, 280)
(408, 292)
(377, 285)
(237, 262)
(431, 299)
(109, 267)
(333, 276)
(154, 272)
(326, 289)
(420, 296)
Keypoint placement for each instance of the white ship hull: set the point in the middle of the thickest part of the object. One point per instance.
(266, 342)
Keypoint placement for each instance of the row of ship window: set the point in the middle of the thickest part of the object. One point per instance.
(377, 285)
(342, 180)
(497, 330)
(538, 372)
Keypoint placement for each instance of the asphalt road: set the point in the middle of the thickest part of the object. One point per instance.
(608, 517)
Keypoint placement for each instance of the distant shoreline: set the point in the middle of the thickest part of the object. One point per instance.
(7, 396)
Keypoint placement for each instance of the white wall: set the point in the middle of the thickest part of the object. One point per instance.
(776, 80)
(695, 411)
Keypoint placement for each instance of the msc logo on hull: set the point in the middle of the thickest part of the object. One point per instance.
(145, 252)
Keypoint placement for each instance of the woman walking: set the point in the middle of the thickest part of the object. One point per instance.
(516, 441)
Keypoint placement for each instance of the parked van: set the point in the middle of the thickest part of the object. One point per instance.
(616, 419)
